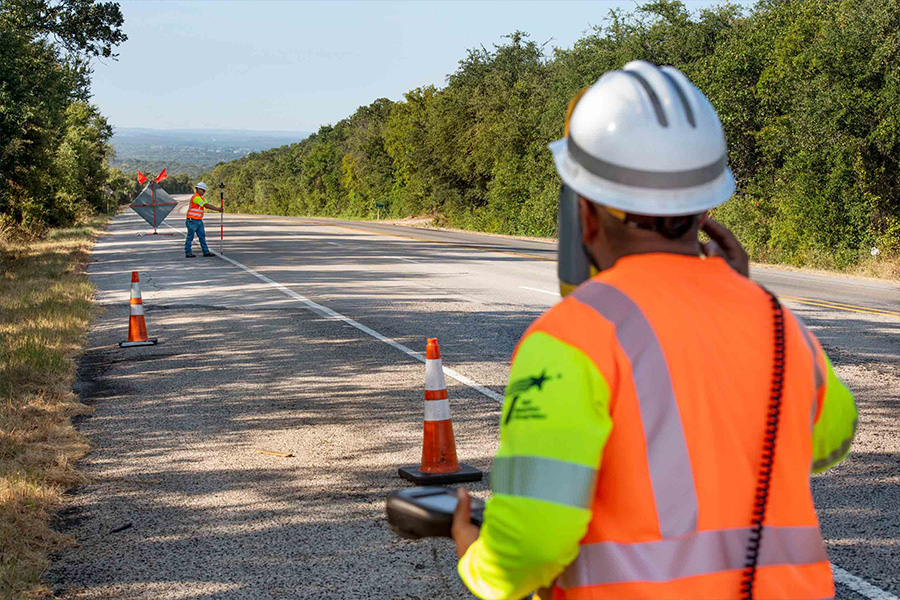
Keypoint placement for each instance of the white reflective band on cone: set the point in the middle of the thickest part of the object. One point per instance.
(437, 410)
(434, 375)
(135, 290)
(137, 309)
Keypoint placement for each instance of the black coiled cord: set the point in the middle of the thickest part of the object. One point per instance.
(761, 500)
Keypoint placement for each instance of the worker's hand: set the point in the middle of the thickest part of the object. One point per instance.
(463, 531)
(723, 243)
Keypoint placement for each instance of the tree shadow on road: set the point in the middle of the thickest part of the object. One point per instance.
(178, 426)
(176, 435)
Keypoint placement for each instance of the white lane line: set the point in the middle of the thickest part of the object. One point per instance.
(525, 287)
(860, 586)
(406, 259)
(333, 243)
(331, 314)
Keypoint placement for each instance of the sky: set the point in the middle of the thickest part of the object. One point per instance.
(295, 66)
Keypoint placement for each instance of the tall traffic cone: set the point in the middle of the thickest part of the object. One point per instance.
(439, 464)
(137, 328)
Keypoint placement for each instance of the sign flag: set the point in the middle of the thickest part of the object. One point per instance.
(141, 178)
(162, 175)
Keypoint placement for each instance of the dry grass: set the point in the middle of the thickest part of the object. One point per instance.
(45, 310)
(882, 268)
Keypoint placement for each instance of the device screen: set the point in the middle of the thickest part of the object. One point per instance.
(445, 503)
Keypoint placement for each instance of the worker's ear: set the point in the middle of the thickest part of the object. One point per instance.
(590, 222)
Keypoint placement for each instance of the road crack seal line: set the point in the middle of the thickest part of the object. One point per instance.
(858, 585)
(334, 315)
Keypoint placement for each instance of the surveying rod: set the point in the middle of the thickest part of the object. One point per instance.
(221, 216)
(153, 202)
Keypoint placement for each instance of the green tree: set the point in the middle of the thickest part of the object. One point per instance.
(46, 127)
(81, 171)
(807, 91)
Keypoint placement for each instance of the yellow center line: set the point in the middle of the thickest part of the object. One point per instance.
(840, 306)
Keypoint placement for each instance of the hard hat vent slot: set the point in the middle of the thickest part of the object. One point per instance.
(654, 99)
(688, 112)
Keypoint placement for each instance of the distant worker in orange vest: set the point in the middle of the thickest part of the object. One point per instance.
(662, 421)
(194, 221)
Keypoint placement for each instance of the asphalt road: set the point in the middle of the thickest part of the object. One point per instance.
(862, 294)
(275, 351)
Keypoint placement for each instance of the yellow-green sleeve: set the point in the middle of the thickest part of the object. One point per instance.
(201, 201)
(836, 423)
(554, 426)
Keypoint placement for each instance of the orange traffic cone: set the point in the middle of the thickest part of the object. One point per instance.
(439, 463)
(137, 328)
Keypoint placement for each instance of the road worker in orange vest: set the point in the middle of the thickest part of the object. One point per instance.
(194, 221)
(662, 421)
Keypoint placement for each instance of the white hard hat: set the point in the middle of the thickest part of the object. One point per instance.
(201, 186)
(645, 140)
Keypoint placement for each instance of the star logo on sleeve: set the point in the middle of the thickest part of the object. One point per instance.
(520, 386)
(527, 408)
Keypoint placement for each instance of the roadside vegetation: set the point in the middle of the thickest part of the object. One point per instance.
(45, 310)
(54, 145)
(807, 90)
(54, 181)
(183, 183)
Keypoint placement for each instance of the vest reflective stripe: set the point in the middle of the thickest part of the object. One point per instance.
(547, 479)
(701, 553)
(671, 476)
(195, 211)
(818, 378)
(817, 371)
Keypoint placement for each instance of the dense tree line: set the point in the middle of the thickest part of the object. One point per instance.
(54, 144)
(181, 183)
(808, 92)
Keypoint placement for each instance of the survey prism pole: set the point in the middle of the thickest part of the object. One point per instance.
(221, 217)
(153, 202)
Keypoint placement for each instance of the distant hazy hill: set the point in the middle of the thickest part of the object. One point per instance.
(191, 151)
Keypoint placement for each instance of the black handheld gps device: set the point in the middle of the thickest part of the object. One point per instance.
(426, 512)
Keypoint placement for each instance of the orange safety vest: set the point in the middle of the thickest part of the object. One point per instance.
(195, 211)
(672, 510)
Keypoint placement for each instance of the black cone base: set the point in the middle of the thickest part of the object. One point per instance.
(148, 342)
(465, 473)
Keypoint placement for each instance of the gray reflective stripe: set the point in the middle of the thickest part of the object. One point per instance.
(688, 112)
(836, 454)
(701, 553)
(662, 180)
(667, 453)
(654, 99)
(817, 372)
(557, 481)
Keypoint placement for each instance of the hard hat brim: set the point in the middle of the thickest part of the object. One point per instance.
(639, 200)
